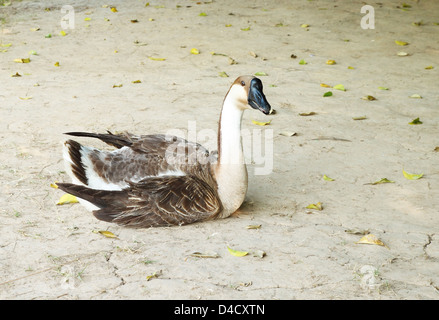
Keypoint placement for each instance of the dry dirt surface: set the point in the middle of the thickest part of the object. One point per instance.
(85, 81)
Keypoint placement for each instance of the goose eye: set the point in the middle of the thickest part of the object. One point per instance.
(242, 83)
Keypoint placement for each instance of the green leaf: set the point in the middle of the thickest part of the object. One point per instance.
(383, 88)
(415, 121)
(302, 62)
(383, 180)
(326, 178)
(401, 43)
(327, 94)
(339, 87)
(261, 74)
(412, 176)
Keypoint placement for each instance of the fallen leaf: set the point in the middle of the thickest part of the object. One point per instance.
(54, 185)
(415, 122)
(383, 88)
(436, 149)
(16, 75)
(415, 96)
(402, 54)
(117, 85)
(25, 98)
(134, 21)
(304, 25)
(401, 43)
(326, 178)
(113, 9)
(371, 239)
(237, 253)
(315, 206)
(63, 33)
(412, 176)
(107, 234)
(261, 123)
(351, 68)
(88, 19)
(195, 51)
(213, 255)
(223, 74)
(232, 61)
(339, 87)
(330, 62)
(253, 226)
(383, 180)
(154, 275)
(253, 54)
(327, 94)
(369, 98)
(49, 35)
(23, 60)
(261, 73)
(359, 118)
(429, 68)
(67, 198)
(203, 14)
(287, 133)
(258, 253)
(35, 29)
(324, 85)
(306, 114)
(228, 25)
(302, 62)
(245, 29)
(157, 59)
(136, 81)
(5, 45)
(56, 64)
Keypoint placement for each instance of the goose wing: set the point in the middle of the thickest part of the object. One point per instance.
(152, 202)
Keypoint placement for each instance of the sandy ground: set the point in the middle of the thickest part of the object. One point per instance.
(56, 252)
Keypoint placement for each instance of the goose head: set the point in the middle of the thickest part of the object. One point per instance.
(246, 93)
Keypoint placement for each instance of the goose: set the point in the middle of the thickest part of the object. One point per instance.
(162, 180)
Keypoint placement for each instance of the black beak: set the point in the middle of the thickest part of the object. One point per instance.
(256, 98)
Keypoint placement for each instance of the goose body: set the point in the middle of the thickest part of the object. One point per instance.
(160, 180)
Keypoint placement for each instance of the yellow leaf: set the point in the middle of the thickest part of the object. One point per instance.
(261, 123)
(315, 206)
(195, 51)
(415, 96)
(107, 234)
(411, 176)
(157, 59)
(56, 64)
(330, 62)
(117, 85)
(154, 275)
(325, 85)
(304, 25)
(113, 9)
(253, 226)
(339, 87)
(87, 19)
(62, 32)
(237, 253)
(136, 81)
(25, 98)
(23, 60)
(401, 43)
(5, 45)
(325, 177)
(371, 239)
(351, 68)
(54, 185)
(67, 198)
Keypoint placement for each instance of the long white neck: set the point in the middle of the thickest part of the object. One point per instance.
(230, 171)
